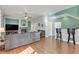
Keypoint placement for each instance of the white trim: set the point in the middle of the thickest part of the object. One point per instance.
(77, 42)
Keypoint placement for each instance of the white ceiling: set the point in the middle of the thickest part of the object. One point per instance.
(33, 10)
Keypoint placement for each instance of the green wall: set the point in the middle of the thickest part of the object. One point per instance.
(73, 11)
(11, 21)
(24, 22)
(68, 22)
(29, 25)
(16, 22)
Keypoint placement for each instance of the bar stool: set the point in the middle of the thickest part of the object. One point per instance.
(58, 32)
(71, 31)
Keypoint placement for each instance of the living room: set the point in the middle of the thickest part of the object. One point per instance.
(30, 29)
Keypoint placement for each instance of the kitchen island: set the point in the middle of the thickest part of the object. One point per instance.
(16, 40)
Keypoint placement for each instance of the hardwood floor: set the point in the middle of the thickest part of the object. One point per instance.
(45, 46)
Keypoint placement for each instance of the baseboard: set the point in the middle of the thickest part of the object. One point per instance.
(64, 40)
(71, 42)
(75, 42)
(49, 36)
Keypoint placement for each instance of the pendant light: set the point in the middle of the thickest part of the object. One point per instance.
(25, 17)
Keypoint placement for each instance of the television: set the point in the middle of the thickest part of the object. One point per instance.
(11, 27)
